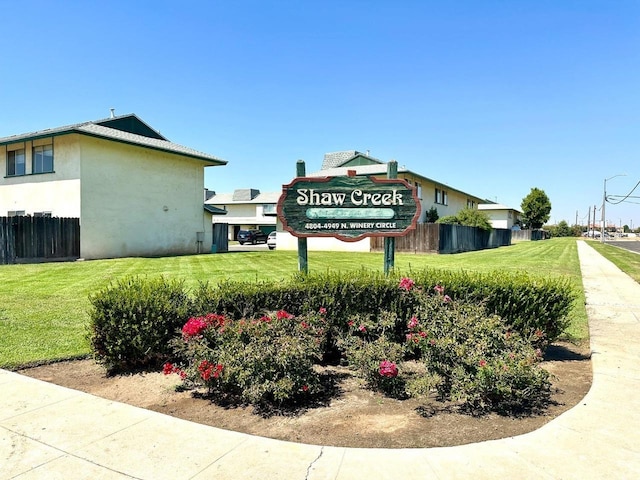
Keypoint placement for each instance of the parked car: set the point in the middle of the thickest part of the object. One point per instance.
(252, 236)
(271, 240)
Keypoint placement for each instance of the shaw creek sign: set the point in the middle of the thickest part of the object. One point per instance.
(348, 208)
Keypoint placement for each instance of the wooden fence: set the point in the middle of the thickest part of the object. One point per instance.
(529, 235)
(444, 238)
(24, 239)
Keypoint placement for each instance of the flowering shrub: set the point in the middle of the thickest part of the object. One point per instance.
(479, 361)
(266, 361)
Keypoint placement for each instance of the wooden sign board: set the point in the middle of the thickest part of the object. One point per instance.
(348, 208)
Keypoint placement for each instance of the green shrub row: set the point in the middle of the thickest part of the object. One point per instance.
(133, 320)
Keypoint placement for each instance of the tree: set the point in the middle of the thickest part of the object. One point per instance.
(474, 218)
(536, 208)
(562, 230)
(469, 217)
(432, 215)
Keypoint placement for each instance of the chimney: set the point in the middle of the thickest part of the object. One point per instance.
(113, 114)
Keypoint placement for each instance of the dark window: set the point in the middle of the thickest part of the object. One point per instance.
(43, 159)
(15, 163)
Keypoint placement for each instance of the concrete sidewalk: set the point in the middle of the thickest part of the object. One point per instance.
(50, 432)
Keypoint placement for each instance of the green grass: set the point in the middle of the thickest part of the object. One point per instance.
(44, 307)
(625, 260)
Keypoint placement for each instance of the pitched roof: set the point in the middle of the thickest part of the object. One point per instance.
(231, 198)
(378, 169)
(335, 159)
(127, 129)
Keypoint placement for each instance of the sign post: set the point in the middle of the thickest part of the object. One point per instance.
(303, 265)
(390, 242)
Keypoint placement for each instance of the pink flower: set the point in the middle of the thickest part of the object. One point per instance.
(305, 388)
(362, 328)
(304, 324)
(439, 289)
(406, 283)
(446, 299)
(388, 369)
(483, 363)
(265, 319)
(350, 323)
(413, 323)
(322, 311)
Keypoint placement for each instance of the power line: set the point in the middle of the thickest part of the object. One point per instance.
(625, 197)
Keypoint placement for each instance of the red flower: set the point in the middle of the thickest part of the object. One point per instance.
(362, 328)
(406, 283)
(282, 314)
(305, 388)
(322, 311)
(483, 363)
(388, 369)
(350, 323)
(168, 368)
(208, 370)
(413, 323)
(304, 324)
(194, 327)
(439, 289)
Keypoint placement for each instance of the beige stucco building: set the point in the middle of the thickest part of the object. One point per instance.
(432, 194)
(135, 192)
(500, 215)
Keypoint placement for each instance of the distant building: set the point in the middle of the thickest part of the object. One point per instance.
(245, 208)
(501, 216)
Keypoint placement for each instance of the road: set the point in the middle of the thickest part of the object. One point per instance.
(631, 245)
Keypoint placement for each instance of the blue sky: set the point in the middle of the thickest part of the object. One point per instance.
(490, 97)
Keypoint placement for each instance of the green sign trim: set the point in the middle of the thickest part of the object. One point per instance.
(348, 208)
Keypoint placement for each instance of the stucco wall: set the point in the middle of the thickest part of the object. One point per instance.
(140, 202)
(57, 192)
(286, 241)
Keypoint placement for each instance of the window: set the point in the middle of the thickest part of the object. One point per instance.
(418, 190)
(42, 214)
(441, 197)
(471, 204)
(15, 163)
(43, 159)
(15, 213)
(269, 209)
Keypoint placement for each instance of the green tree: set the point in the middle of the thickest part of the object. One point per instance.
(474, 218)
(469, 217)
(562, 230)
(536, 208)
(432, 215)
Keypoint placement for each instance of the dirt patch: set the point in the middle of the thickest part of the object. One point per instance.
(354, 418)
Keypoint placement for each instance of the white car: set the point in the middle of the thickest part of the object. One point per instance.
(271, 240)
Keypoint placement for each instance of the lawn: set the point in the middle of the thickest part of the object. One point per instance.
(625, 260)
(44, 307)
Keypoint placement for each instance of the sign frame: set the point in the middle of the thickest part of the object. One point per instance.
(383, 211)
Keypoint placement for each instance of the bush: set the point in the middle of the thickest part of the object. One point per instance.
(374, 355)
(266, 361)
(479, 360)
(133, 320)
